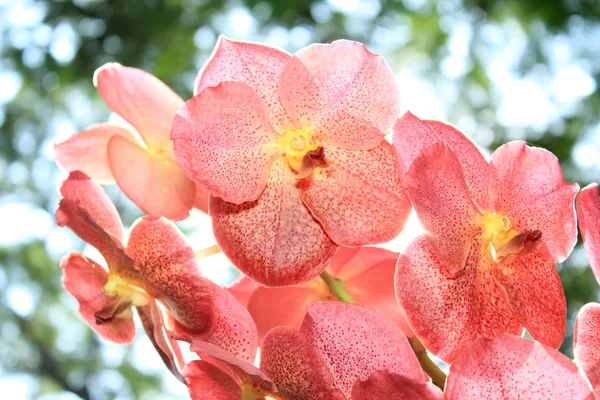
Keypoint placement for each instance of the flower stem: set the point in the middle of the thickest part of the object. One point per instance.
(438, 377)
(207, 252)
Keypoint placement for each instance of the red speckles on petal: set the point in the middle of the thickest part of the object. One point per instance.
(359, 198)
(274, 240)
(257, 65)
(225, 142)
(355, 341)
(346, 95)
(510, 367)
(588, 215)
(527, 185)
(586, 343)
(390, 386)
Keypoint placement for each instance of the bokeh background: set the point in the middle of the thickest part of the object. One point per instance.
(498, 69)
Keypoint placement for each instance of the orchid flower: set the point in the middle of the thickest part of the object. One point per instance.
(493, 234)
(588, 216)
(586, 343)
(292, 151)
(141, 162)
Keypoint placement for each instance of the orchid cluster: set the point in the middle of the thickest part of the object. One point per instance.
(288, 156)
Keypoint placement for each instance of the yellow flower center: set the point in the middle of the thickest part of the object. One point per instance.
(122, 288)
(295, 144)
(497, 231)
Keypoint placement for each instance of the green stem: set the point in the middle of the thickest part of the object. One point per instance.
(438, 377)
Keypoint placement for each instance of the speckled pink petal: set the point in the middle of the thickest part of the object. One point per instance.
(167, 266)
(141, 99)
(441, 199)
(536, 295)
(448, 312)
(86, 151)
(586, 343)
(91, 197)
(412, 135)
(254, 64)
(385, 385)
(527, 185)
(284, 306)
(344, 94)
(368, 274)
(511, 367)
(84, 279)
(274, 240)
(225, 142)
(588, 216)
(156, 184)
(359, 198)
(296, 367)
(355, 341)
(207, 381)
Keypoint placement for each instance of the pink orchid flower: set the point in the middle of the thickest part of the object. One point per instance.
(157, 266)
(367, 274)
(486, 264)
(586, 343)
(588, 216)
(511, 367)
(142, 162)
(292, 151)
(340, 351)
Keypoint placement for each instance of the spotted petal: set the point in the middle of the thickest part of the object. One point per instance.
(206, 380)
(588, 215)
(390, 386)
(586, 343)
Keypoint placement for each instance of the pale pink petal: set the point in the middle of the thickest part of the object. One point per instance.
(511, 367)
(86, 151)
(255, 64)
(274, 240)
(78, 187)
(243, 289)
(84, 279)
(536, 295)
(441, 199)
(141, 99)
(588, 216)
(225, 142)
(168, 270)
(156, 184)
(296, 367)
(449, 312)
(527, 186)
(586, 343)
(355, 341)
(201, 200)
(207, 381)
(341, 92)
(284, 306)
(412, 135)
(385, 385)
(359, 198)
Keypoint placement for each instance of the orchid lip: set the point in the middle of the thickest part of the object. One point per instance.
(295, 145)
(504, 240)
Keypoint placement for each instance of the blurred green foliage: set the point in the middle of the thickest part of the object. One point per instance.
(50, 49)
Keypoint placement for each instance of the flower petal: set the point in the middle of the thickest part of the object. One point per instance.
(141, 99)
(510, 367)
(273, 240)
(78, 187)
(343, 93)
(156, 184)
(87, 151)
(443, 204)
(586, 343)
(169, 271)
(391, 386)
(536, 295)
(527, 185)
(296, 367)
(84, 279)
(355, 341)
(207, 381)
(448, 312)
(243, 289)
(201, 200)
(224, 141)
(412, 135)
(256, 65)
(588, 215)
(359, 199)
